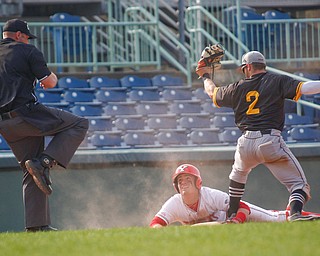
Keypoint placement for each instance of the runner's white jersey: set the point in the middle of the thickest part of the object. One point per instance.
(213, 205)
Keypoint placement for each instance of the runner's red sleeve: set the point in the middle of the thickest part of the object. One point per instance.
(157, 220)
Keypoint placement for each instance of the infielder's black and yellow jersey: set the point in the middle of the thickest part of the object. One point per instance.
(258, 102)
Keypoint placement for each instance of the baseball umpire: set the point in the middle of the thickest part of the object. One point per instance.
(258, 105)
(24, 122)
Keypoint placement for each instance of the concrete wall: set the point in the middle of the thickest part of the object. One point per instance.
(129, 194)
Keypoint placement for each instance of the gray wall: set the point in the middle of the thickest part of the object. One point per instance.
(130, 194)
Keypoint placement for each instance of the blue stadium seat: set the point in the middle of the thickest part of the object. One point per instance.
(105, 140)
(312, 76)
(230, 135)
(79, 95)
(72, 82)
(135, 81)
(295, 119)
(145, 94)
(178, 93)
(276, 31)
(125, 123)
(103, 82)
(252, 35)
(166, 80)
(71, 40)
(100, 123)
(87, 109)
(152, 107)
(185, 106)
(49, 95)
(173, 137)
(3, 144)
(106, 95)
(305, 134)
(222, 121)
(203, 137)
(120, 108)
(191, 121)
(209, 107)
(165, 121)
(201, 94)
(140, 138)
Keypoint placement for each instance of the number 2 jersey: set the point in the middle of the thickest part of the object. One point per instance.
(258, 102)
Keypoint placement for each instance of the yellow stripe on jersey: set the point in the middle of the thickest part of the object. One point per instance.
(298, 92)
(214, 96)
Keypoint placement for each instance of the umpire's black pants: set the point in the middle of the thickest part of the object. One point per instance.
(27, 142)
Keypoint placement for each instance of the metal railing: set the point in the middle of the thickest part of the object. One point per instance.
(95, 44)
(290, 42)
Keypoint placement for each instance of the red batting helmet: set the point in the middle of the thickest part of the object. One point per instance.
(189, 169)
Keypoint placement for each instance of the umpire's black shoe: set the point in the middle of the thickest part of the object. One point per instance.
(40, 175)
(299, 217)
(42, 228)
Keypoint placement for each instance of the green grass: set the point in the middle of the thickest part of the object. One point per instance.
(248, 239)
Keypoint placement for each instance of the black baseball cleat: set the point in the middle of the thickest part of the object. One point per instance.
(40, 175)
(41, 229)
(299, 217)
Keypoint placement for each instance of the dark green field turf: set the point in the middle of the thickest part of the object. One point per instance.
(248, 239)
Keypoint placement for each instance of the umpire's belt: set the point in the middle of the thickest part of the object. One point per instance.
(8, 115)
(260, 133)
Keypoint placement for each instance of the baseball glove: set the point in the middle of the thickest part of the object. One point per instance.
(210, 60)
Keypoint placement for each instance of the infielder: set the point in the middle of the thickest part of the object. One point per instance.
(197, 205)
(258, 105)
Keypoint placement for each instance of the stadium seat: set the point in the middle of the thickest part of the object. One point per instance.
(165, 121)
(166, 80)
(103, 82)
(124, 123)
(252, 35)
(210, 107)
(222, 121)
(120, 108)
(79, 95)
(49, 95)
(305, 134)
(100, 123)
(107, 139)
(152, 107)
(295, 119)
(173, 137)
(133, 122)
(179, 93)
(140, 138)
(191, 121)
(72, 82)
(74, 40)
(185, 106)
(87, 109)
(3, 144)
(230, 135)
(135, 81)
(204, 137)
(312, 76)
(145, 94)
(106, 95)
(200, 94)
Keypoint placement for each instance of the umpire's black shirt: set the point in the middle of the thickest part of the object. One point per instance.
(20, 65)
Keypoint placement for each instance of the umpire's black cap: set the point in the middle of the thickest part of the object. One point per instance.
(16, 25)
